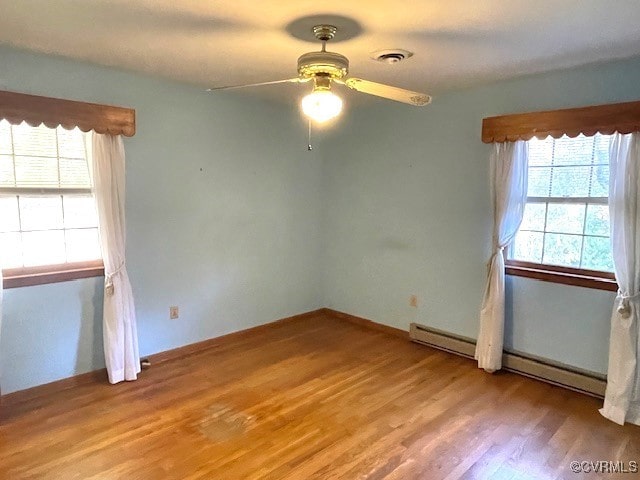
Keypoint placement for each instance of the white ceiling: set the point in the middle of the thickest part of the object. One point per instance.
(223, 42)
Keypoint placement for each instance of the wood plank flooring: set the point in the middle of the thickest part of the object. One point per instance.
(317, 398)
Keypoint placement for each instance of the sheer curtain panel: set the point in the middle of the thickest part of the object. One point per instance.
(1, 295)
(622, 397)
(119, 320)
(508, 177)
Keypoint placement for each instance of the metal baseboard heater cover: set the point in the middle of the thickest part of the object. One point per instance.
(548, 371)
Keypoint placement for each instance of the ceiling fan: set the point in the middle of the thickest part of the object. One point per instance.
(325, 67)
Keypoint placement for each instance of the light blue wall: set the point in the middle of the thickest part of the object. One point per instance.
(407, 212)
(223, 205)
(394, 202)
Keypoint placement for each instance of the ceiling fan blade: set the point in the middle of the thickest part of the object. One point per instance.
(386, 91)
(288, 80)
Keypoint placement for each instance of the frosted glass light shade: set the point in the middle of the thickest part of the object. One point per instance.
(321, 105)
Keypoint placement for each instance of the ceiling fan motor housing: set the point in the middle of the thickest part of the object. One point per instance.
(328, 64)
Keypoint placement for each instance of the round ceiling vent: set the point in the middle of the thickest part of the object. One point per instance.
(391, 56)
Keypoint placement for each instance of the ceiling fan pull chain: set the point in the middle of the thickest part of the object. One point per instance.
(309, 147)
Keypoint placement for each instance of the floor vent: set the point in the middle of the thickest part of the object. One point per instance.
(566, 376)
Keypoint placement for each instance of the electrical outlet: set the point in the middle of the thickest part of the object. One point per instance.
(173, 313)
(413, 301)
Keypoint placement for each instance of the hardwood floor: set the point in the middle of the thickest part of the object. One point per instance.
(317, 398)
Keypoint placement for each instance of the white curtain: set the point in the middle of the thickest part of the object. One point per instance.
(508, 164)
(622, 397)
(1, 298)
(119, 317)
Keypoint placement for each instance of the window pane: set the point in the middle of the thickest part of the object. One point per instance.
(10, 250)
(570, 181)
(5, 138)
(79, 211)
(565, 218)
(71, 143)
(36, 172)
(597, 220)
(539, 182)
(560, 249)
(45, 228)
(597, 254)
(534, 214)
(527, 246)
(40, 213)
(9, 219)
(74, 173)
(574, 234)
(36, 141)
(7, 178)
(573, 151)
(540, 151)
(601, 149)
(600, 181)
(82, 245)
(43, 248)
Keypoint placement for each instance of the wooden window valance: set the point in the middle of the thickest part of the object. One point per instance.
(20, 107)
(606, 119)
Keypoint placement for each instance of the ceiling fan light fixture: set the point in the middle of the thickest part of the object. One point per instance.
(321, 105)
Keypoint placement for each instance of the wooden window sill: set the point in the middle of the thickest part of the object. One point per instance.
(28, 276)
(564, 275)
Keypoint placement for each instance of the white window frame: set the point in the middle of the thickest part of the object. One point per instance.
(52, 273)
(563, 274)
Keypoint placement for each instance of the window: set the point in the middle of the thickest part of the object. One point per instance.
(563, 237)
(48, 220)
(565, 228)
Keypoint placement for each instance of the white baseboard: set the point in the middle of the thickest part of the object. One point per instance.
(546, 370)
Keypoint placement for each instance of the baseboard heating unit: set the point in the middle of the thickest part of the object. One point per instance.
(549, 371)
